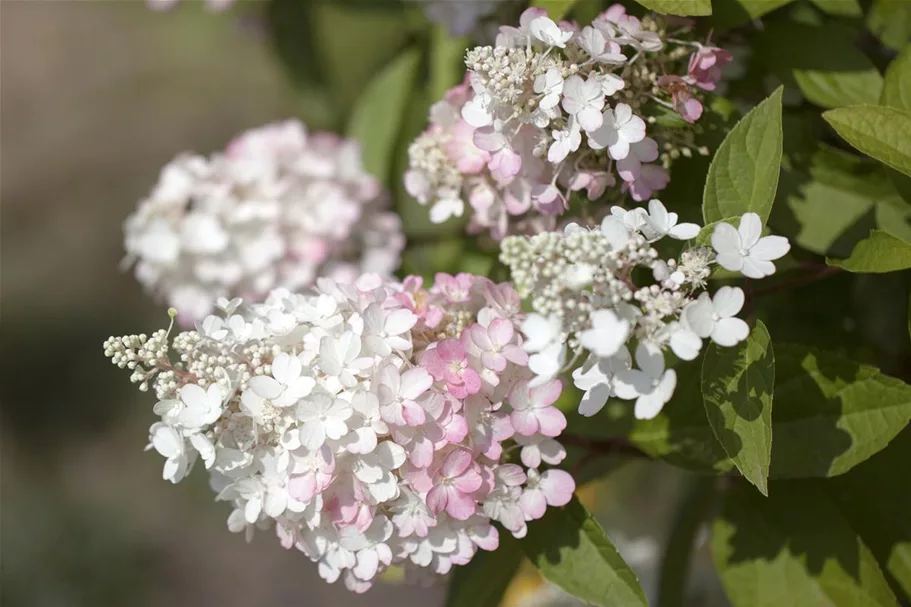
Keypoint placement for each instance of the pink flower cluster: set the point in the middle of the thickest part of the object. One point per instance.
(555, 108)
(704, 72)
(372, 424)
(482, 372)
(279, 207)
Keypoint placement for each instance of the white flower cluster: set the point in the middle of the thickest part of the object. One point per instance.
(368, 423)
(279, 207)
(554, 109)
(581, 287)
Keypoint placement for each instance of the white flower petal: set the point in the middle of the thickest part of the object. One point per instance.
(726, 239)
(770, 247)
(728, 301)
(730, 332)
(750, 229)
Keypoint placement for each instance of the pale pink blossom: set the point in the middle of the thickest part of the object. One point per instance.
(551, 488)
(706, 65)
(453, 485)
(533, 409)
(494, 344)
(652, 177)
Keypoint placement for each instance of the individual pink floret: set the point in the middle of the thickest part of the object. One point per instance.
(533, 409)
(448, 362)
(453, 485)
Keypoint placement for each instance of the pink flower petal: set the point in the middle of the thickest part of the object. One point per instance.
(458, 505)
(468, 482)
(437, 499)
(525, 422)
(557, 486)
(547, 394)
(551, 421)
(533, 503)
(456, 463)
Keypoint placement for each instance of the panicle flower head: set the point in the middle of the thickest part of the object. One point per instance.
(553, 109)
(368, 423)
(580, 283)
(277, 208)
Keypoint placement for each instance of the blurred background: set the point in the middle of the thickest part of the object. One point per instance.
(97, 95)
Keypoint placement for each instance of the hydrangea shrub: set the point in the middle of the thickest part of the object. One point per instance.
(675, 230)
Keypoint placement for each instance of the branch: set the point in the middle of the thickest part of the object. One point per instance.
(799, 281)
(611, 446)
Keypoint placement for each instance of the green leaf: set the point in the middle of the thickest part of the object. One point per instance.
(680, 434)
(737, 385)
(571, 550)
(823, 61)
(840, 8)
(743, 175)
(881, 252)
(793, 549)
(484, 580)
(881, 132)
(876, 498)
(693, 8)
(831, 413)
(821, 202)
(897, 85)
(556, 9)
(728, 13)
(377, 118)
(675, 562)
(890, 21)
(447, 66)
(381, 29)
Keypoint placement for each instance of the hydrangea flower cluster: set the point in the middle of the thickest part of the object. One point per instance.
(580, 283)
(278, 208)
(554, 109)
(212, 5)
(372, 424)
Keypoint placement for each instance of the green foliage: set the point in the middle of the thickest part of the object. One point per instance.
(876, 498)
(881, 132)
(679, 7)
(881, 252)
(556, 9)
(680, 434)
(377, 119)
(484, 580)
(793, 549)
(737, 385)
(572, 551)
(375, 34)
(897, 85)
(823, 200)
(743, 175)
(890, 21)
(728, 13)
(675, 562)
(447, 66)
(823, 61)
(831, 413)
(840, 8)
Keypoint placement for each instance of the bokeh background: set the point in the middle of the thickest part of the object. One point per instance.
(96, 96)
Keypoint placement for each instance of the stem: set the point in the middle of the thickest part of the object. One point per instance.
(749, 304)
(612, 446)
(819, 274)
(675, 562)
